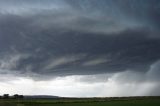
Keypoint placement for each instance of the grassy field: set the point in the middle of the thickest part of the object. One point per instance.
(82, 102)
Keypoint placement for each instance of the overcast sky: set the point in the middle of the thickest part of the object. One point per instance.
(80, 48)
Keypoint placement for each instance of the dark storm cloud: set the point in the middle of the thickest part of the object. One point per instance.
(83, 37)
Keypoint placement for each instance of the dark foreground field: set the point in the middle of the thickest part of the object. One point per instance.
(127, 101)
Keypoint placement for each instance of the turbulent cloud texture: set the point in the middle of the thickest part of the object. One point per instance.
(42, 40)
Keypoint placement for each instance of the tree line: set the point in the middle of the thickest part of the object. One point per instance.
(15, 96)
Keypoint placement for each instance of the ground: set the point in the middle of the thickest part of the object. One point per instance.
(128, 101)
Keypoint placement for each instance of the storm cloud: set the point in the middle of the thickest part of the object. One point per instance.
(47, 39)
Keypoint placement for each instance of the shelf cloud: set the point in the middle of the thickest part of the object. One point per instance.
(115, 39)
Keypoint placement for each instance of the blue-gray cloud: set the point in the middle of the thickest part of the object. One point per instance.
(67, 37)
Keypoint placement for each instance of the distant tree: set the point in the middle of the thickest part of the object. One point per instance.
(16, 96)
(6, 96)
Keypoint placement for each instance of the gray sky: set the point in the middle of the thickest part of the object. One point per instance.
(49, 45)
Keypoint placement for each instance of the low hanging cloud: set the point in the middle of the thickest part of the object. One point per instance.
(55, 38)
(73, 55)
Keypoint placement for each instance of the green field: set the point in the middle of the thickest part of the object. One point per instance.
(82, 102)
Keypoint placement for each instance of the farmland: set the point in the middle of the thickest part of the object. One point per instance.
(116, 101)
